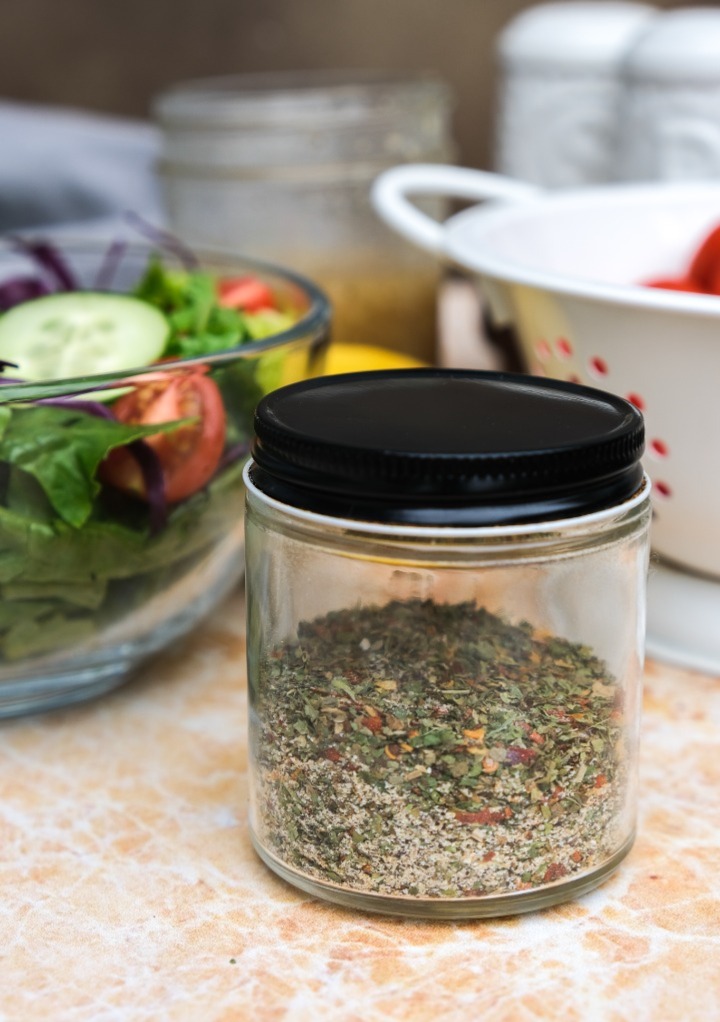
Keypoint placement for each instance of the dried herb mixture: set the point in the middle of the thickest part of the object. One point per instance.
(435, 750)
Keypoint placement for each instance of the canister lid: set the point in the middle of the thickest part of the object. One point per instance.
(446, 447)
(585, 35)
(679, 46)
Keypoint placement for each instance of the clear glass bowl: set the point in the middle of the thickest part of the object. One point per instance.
(83, 602)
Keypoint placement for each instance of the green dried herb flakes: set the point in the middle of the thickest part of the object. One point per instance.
(436, 750)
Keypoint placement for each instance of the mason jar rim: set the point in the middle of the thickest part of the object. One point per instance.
(394, 530)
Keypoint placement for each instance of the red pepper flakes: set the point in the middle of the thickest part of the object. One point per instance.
(333, 755)
(485, 816)
(600, 781)
(555, 871)
(558, 712)
(373, 724)
(517, 754)
(532, 734)
(576, 856)
(488, 856)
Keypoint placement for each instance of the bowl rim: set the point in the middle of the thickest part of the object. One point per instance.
(465, 232)
(310, 327)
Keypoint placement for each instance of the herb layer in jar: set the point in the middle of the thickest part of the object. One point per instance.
(436, 750)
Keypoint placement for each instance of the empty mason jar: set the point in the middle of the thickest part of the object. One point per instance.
(280, 166)
(445, 590)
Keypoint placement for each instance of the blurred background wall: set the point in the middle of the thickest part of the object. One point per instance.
(112, 57)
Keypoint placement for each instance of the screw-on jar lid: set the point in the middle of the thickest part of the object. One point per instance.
(446, 447)
(319, 100)
(271, 125)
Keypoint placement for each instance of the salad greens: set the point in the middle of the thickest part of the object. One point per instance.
(76, 552)
(62, 450)
(198, 324)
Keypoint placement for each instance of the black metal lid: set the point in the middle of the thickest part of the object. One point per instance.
(446, 447)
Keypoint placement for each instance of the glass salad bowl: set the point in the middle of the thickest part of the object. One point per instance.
(129, 377)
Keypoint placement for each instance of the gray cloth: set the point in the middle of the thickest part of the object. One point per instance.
(68, 167)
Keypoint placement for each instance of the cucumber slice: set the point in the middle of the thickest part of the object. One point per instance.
(81, 333)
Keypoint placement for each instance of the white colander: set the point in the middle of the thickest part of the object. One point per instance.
(564, 269)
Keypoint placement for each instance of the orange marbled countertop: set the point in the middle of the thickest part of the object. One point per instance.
(130, 889)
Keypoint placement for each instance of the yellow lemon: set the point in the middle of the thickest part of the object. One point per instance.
(356, 358)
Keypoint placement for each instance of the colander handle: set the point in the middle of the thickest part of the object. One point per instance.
(390, 191)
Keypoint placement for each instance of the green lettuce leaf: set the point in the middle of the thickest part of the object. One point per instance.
(62, 449)
(60, 585)
(198, 324)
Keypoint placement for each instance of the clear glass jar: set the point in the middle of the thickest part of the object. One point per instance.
(445, 639)
(280, 166)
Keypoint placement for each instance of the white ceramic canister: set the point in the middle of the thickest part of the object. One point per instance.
(670, 123)
(281, 165)
(560, 90)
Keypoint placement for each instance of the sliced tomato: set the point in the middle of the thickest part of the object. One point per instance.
(676, 284)
(706, 261)
(188, 455)
(714, 284)
(247, 293)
